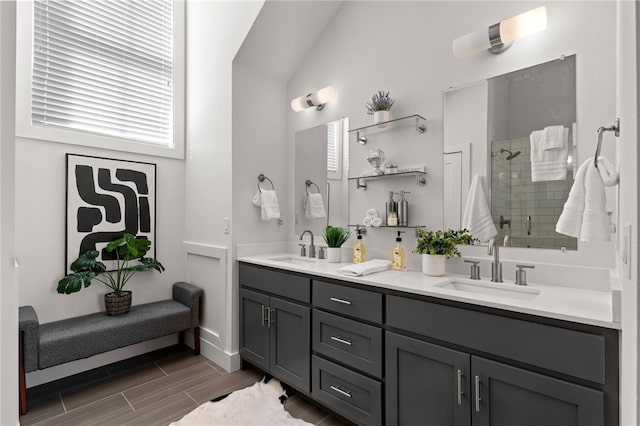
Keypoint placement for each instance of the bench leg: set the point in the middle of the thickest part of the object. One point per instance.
(181, 338)
(196, 340)
(22, 378)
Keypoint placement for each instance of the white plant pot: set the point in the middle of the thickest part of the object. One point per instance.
(380, 116)
(433, 264)
(334, 254)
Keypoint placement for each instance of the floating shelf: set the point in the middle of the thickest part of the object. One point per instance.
(361, 132)
(362, 184)
(364, 228)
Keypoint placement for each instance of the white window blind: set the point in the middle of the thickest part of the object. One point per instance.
(104, 67)
(333, 148)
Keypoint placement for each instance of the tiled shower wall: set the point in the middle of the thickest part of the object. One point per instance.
(532, 207)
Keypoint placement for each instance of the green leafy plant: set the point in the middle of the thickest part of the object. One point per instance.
(442, 242)
(86, 268)
(380, 101)
(335, 236)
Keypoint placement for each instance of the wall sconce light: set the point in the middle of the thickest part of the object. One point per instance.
(501, 35)
(314, 99)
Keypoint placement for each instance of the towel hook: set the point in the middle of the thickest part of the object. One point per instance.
(262, 178)
(615, 128)
(308, 183)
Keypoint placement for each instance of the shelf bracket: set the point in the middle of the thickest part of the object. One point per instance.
(361, 139)
(420, 127)
(361, 184)
(420, 180)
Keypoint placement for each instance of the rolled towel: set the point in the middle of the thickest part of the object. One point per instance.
(376, 221)
(366, 268)
(372, 213)
(367, 221)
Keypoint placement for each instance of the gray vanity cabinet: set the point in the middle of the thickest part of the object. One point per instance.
(275, 333)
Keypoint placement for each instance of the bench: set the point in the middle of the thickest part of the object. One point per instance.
(53, 343)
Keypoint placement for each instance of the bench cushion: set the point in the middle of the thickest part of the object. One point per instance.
(85, 336)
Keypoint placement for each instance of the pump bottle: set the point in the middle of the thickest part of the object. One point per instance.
(359, 249)
(399, 255)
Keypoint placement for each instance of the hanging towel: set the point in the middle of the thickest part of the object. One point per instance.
(314, 206)
(477, 216)
(270, 209)
(584, 214)
(366, 268)
(555, 137)
(549, 164)
(257, 199)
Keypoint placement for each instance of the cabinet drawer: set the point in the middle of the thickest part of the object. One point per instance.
(571, 352)
(363, 304)
(350, 394)
(276, 282)
(351, 342)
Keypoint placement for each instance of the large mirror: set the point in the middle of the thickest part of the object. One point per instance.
(320, 182)
(516, 130)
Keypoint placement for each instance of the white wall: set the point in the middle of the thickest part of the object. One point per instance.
(9, 288)
(627, 160)
(414, 61)
(215, 31)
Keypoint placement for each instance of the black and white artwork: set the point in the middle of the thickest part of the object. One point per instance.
(107, 198)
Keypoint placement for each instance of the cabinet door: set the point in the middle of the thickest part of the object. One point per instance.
(254, 331)
(290, 355)
(426, 384)
(507, 396)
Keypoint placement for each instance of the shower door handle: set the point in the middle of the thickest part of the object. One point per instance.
(528, 225)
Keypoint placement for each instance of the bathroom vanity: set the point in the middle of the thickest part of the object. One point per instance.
(401, 348)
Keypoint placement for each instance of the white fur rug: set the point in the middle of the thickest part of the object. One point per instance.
(257, 405)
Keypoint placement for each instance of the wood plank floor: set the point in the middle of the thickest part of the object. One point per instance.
(152, 389)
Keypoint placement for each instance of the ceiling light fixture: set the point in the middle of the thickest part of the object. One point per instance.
(314, 99)
(500, 36)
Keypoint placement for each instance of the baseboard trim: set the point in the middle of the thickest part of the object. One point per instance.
(228, 361)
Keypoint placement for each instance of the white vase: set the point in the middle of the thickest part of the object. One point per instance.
(334, 254)
(380, 116)
(433, 264)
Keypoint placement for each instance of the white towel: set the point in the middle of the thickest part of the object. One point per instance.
(314, 206)
(367, 221)
(548, 164)
(366, 268)
(477, 216)
(555, 137)
(584, 214)
(376, 221)
(372, 213)
(257, 199)
(270, 209)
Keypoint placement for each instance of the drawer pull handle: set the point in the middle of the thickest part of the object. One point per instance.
(270, 321)
(341, 340)
(335, 299)
(340, 391)
(478, 399)
(460, 390)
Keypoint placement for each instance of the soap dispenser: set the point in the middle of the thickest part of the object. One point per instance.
(403, 210)
(391, 211)
(399, 255)
(359, 249)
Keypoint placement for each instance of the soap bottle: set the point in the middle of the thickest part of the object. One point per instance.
(359, 249)
(399, 255)
(391, 210)
(403, 210)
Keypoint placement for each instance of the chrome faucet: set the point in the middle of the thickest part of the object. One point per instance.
(312, 248)
(496, 266)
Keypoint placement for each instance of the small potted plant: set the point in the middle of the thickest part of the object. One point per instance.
(380, 106)
(335, 237)
(86, 268)
(437, 246)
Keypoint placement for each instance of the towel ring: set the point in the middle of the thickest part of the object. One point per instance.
(615, 128)
(307, 184)
(262, 178)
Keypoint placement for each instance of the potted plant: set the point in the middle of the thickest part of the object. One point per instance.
(437, 246)
(86, 268)
(380, 106)
(335, 237)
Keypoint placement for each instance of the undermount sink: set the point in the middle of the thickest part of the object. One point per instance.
(497, 290)
(294, 260)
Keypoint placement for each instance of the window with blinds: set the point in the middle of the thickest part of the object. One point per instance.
(334, 150)
(104, 67)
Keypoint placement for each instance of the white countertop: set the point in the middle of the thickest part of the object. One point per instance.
(565, 303)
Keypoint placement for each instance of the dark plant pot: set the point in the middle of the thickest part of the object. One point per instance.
(117, 305)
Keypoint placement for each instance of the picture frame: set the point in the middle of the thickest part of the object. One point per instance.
(106, 198)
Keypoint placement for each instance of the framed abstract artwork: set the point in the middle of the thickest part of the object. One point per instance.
(107, 198)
